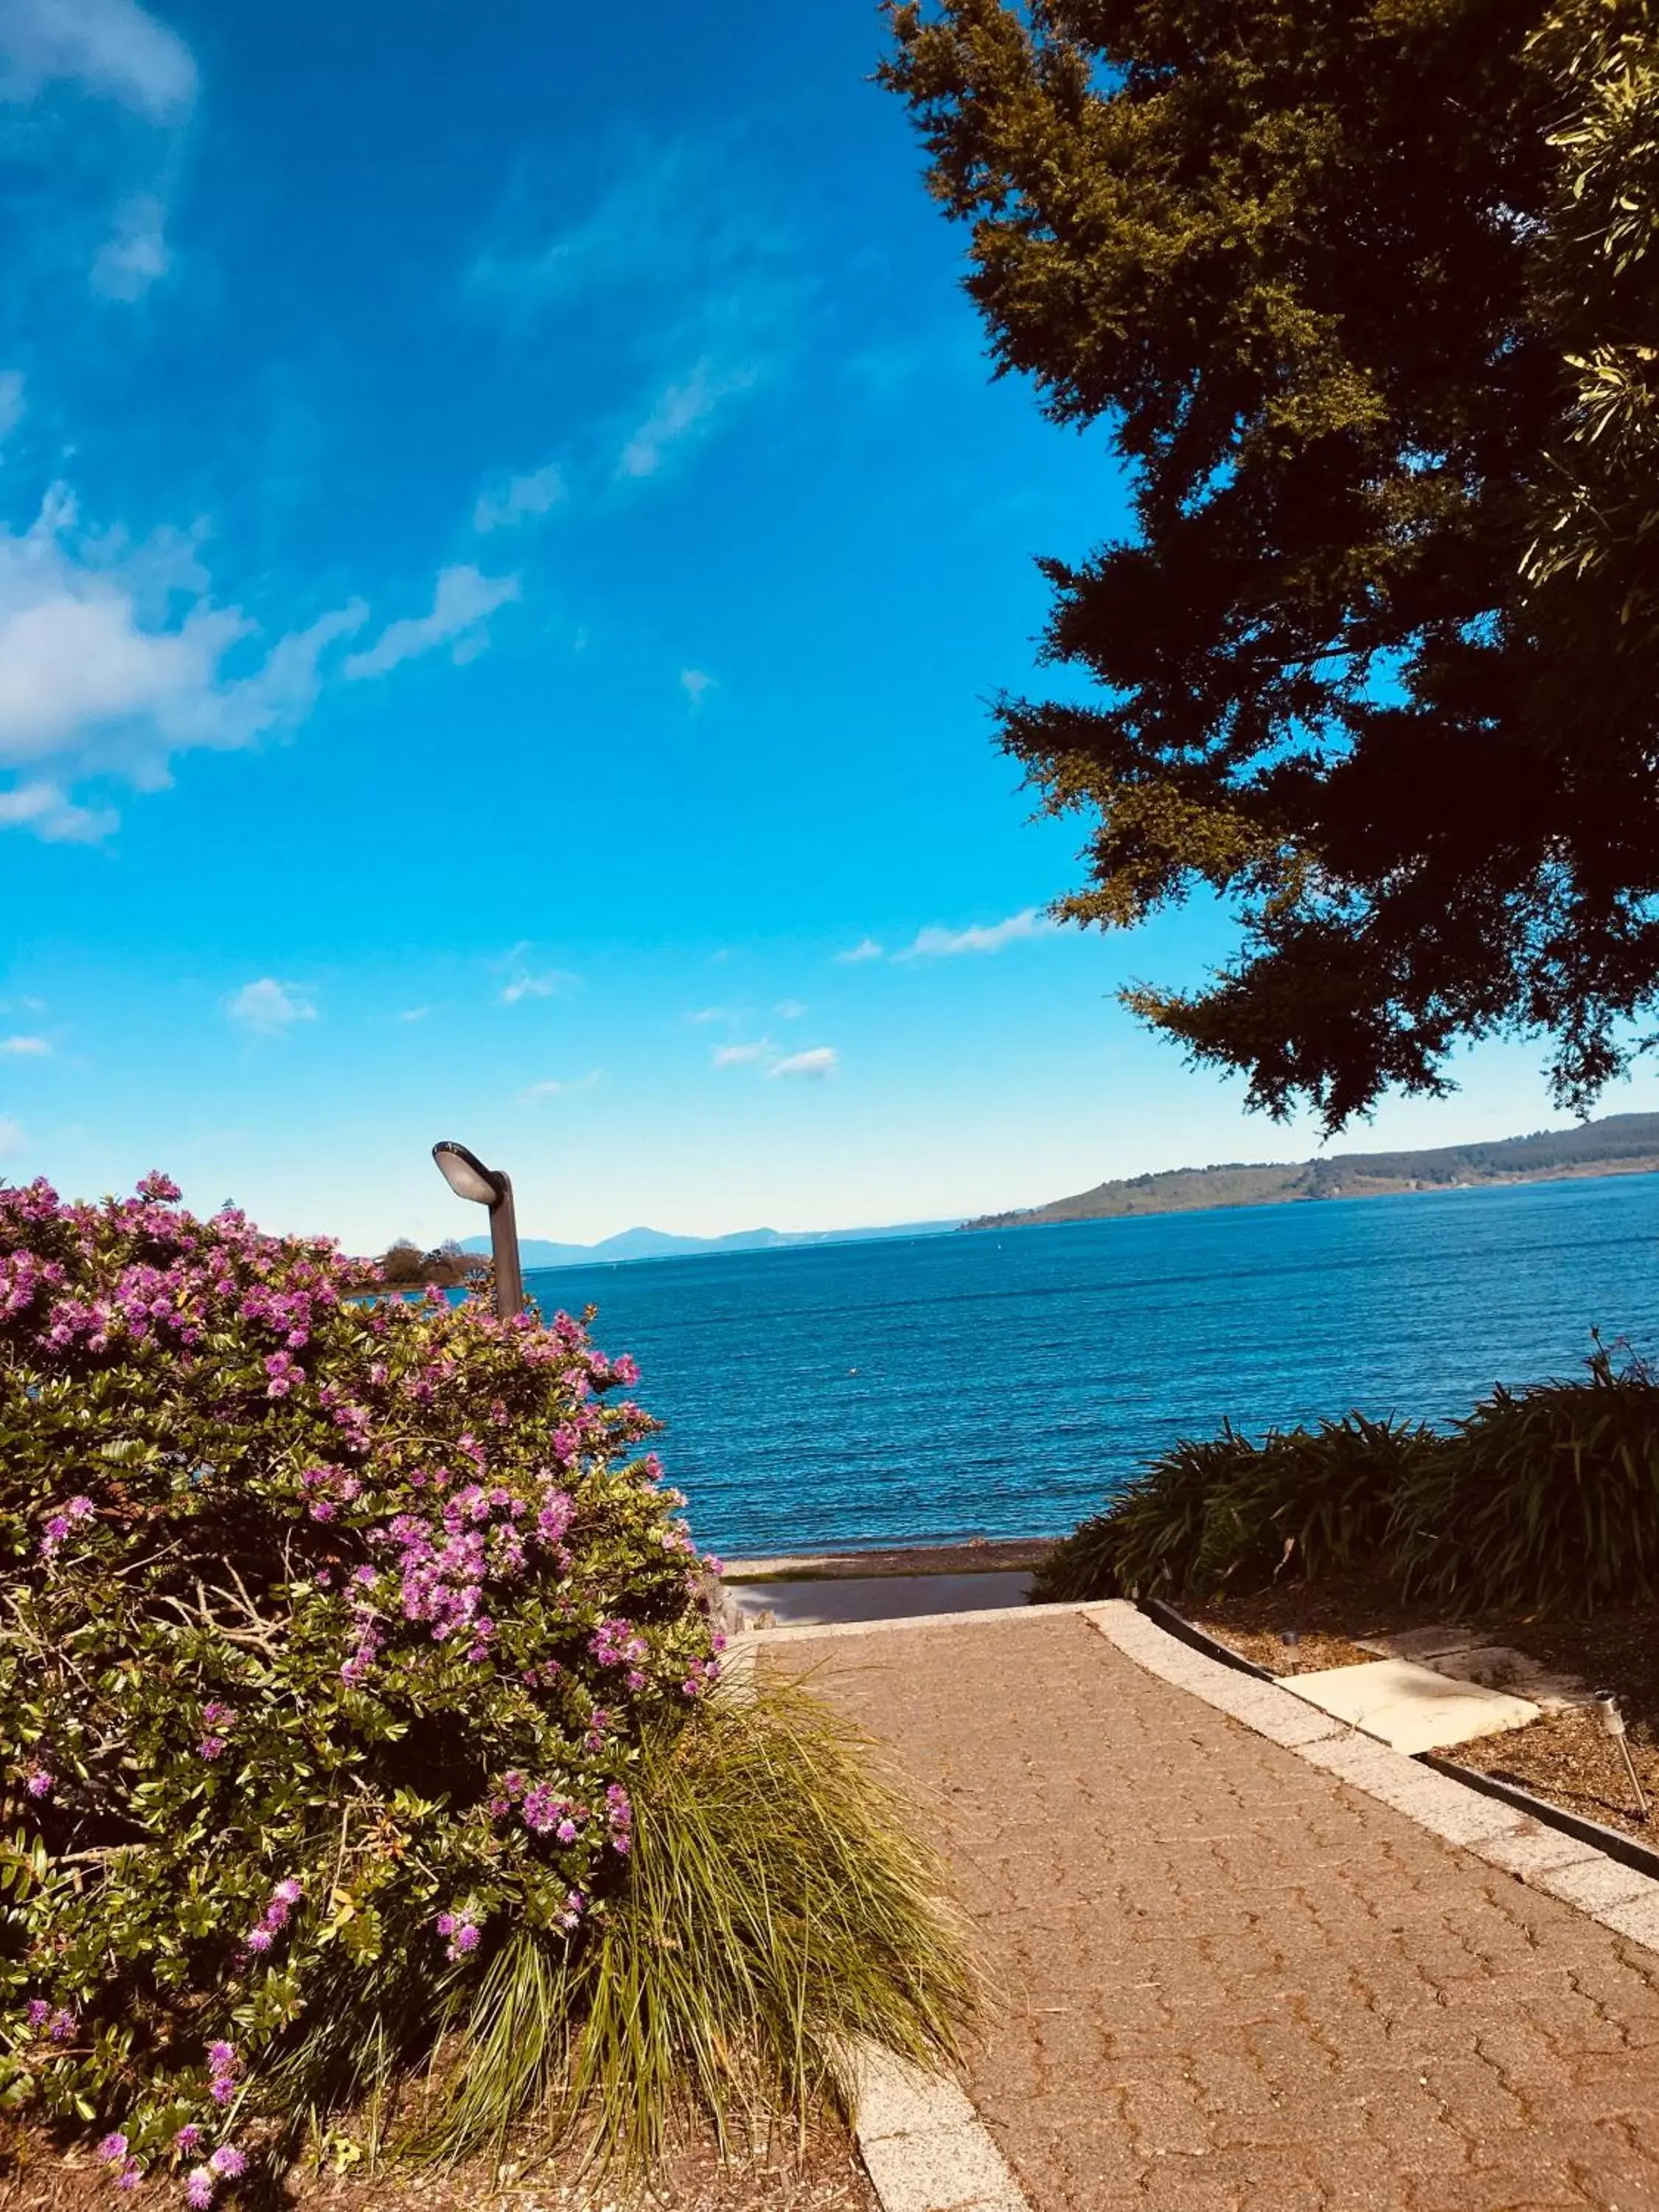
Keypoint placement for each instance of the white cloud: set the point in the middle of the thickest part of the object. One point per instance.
(737, 1055)
(43, 808)
(683, 410)
(103, 673)
(789, 1010)
(935, 943)
(11, 401)
(269, 1008)
(521, 499)
(130, 260)
(865, 949)
(415, 1013)
(462, 602)
(714, 1014)
(694, 683)
(25, 1047)
(546, 986)
(111, 47)
(822, 1060)
(11, 1138)
(558, 1087)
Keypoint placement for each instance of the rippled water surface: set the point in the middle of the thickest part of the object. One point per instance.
(1002, 1383)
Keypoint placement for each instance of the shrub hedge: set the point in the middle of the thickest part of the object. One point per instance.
(1545, 1498)
(334, 1634)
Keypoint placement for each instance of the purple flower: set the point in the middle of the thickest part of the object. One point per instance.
(39, 1784)
(114, 2148)
(198, 2189)
(209, 1747)
(189, 2138)
(223, 2089)
(258, 1939)
(222, 2058)
(228, 2162)
(288, 1892)
(62, 2025)
(39, 2012)
(131, 2176)
(81, 1509)
(445, 1923)
(466, 1938)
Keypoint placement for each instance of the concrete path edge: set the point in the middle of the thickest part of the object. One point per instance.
(924, 2146)
(1576, 1873)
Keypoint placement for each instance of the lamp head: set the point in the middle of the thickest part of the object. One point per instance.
(467, 1175)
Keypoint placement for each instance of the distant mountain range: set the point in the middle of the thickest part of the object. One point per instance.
(657, 1244)
(1621, 1144)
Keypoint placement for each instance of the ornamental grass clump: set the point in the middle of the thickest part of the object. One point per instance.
(1545, 1500)
(1224, 1513)
(337, 1635)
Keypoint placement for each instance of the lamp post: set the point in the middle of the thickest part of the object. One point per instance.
(468, 1177)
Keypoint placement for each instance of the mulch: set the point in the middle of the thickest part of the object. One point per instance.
(821, 2175)
(1568, 1758)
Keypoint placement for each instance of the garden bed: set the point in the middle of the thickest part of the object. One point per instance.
(821, 2175)
(1567, 1758)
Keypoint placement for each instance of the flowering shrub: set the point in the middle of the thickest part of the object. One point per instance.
(332, 1633)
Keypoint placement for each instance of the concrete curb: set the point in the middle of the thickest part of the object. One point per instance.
(924, 2146)
(1616, 1896)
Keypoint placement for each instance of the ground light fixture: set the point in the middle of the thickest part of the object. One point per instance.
(468, 1177)
(1613, 1720)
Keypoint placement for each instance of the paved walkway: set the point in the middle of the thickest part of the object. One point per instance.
(1226, 1980)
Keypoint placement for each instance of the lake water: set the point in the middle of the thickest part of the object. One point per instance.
(1003, 1383)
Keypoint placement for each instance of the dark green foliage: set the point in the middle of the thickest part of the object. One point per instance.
(1545, 1498)
(1367, 294)
(1230, 1514)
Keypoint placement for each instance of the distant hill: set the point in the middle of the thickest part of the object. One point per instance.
(658, 1244)
(1621, 1144)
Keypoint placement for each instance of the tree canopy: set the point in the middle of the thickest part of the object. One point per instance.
(1367, 294)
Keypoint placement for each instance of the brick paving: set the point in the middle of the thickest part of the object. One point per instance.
(1225, 1981)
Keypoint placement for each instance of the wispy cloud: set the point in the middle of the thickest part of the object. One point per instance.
(115, 52)
(714, 1014)
(268, 1008)
(462, 602)
(11, 401)
(548, 986)
(136, 254)
(558, 1087)
(685, 409)
(11, 1138)
(822, 1060)
(25, 1047)
(789, 1010)
(110, 47)
(528, 978)
(865, 949)
(738, 1055)
(680, 281)
(103, 675)
(695, 684)
(415, 1013)
(936, 944)
(520, 499)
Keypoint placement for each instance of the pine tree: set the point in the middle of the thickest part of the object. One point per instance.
(1366, 294)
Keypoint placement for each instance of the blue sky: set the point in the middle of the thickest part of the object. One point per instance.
(507, 540)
